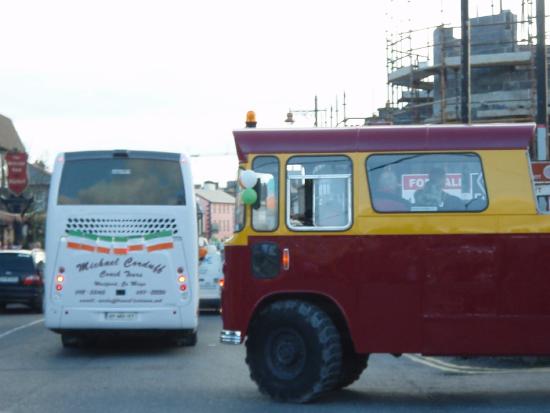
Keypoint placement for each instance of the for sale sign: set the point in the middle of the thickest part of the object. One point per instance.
(410, 183)
(17, 171)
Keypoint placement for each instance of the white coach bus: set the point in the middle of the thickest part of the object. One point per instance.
(121, 242)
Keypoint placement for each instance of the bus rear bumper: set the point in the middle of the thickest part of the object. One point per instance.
(230, 337)
(171, 318)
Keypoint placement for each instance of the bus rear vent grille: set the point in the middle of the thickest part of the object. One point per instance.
(121, 226)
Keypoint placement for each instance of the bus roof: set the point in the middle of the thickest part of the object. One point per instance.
(121, 153)
(383, 139)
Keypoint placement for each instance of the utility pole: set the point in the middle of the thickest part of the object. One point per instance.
(316, 110)
(337, 110)
(542, 99)
(465, 110)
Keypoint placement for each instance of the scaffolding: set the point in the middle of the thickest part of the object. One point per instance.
(423, 68)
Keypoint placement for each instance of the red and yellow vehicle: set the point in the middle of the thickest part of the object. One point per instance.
(423, 239)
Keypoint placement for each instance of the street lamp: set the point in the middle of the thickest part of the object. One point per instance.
(316, 110)
(289, 117)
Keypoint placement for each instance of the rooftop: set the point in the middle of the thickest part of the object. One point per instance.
(9, 139)
(216, 197)
(383, 138)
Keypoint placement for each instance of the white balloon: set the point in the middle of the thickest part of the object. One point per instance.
(248, 178)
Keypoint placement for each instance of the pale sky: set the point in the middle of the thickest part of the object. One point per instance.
(179, 76)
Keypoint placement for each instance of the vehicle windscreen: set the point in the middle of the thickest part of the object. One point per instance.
(121, 182)
(16, 263)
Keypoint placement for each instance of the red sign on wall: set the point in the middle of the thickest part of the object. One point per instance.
(17, 171)
(541, 171)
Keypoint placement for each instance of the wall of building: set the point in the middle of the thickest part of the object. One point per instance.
(223, 218)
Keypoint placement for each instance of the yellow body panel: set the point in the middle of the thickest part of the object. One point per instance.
(511, 209)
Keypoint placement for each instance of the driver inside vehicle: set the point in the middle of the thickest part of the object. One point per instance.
(433, 195)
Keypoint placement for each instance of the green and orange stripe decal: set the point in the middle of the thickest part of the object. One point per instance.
(84, 242)
(158, 241)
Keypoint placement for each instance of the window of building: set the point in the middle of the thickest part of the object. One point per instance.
(319, 193)
(265, 211)
(427, 182)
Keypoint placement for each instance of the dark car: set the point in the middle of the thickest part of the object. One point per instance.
(21, 278)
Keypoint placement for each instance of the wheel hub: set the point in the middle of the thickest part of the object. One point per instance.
(286, 353)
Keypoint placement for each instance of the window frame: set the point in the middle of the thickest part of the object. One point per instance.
(369, 187)
(237, 197)
(350, 209)
(278, 194)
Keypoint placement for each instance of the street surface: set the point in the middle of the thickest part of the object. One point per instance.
(38, 375)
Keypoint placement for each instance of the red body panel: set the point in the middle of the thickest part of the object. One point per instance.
(433, 294)
(383, 138)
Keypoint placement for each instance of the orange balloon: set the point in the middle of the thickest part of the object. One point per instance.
(202, 252)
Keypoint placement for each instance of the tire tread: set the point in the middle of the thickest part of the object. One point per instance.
(328, 337)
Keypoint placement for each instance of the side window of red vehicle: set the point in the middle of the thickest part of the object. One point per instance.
(427, 182)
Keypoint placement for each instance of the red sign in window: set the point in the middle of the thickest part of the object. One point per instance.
(410, 183)
(417, 181)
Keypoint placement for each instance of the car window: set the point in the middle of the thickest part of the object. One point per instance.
(239, 208)
(265, 212)
(16, 262)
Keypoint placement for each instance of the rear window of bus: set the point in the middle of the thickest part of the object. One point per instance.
(121, 182)
(427, 182)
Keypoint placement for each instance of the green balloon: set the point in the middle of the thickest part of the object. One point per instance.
(249, 196)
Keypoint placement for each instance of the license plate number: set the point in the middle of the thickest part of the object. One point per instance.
(11, 280)
(120, 316)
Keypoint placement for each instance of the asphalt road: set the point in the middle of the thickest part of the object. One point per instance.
(38, 375)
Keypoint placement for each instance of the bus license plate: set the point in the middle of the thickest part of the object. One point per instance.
(120, 316)
(11, 280)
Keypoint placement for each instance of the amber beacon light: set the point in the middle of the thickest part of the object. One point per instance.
(250, 119)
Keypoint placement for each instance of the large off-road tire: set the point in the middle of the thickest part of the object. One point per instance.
(352, 366)
(294, 351)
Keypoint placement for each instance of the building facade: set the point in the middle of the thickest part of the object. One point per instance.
(425, 80)
(11, 224)
(218, 210)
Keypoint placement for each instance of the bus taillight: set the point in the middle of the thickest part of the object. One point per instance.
(59, 278)
(182, 279)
